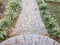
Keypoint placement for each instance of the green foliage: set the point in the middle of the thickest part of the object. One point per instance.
(13, 8)
(0, 2)
(43, 6)
(50, 23)
(40, 1)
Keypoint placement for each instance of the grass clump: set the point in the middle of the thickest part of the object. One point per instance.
(13, 9)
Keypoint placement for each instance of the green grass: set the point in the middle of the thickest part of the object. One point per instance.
(13, 9)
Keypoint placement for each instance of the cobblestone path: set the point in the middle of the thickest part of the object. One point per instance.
(29, 20)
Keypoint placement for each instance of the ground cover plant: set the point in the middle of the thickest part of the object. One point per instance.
(11, 12)
(50, 23)
(55, 11)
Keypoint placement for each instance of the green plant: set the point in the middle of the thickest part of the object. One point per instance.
(0, 2)
(40, 1)
(3, 29)
(13, 9)
(50, 23)
(43, 6)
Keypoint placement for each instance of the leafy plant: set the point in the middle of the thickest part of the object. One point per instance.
(43, 6)
(13, 9)
(0, 2)
(40, 1)
(52, 27)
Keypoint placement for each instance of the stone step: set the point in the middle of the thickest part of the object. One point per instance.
(29, 39)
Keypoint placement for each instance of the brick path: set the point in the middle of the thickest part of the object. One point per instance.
(30, 27)
(29, 20)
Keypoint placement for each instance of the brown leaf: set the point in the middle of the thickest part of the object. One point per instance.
(16, 41)
(12, 35)
(47, 35)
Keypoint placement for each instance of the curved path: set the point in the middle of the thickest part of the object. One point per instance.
(29, 39)
(29, 20)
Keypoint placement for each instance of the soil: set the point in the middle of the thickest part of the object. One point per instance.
(53, 12)
(2, 8)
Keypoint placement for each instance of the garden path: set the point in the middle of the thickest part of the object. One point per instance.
(30, 27)
(29, 21)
